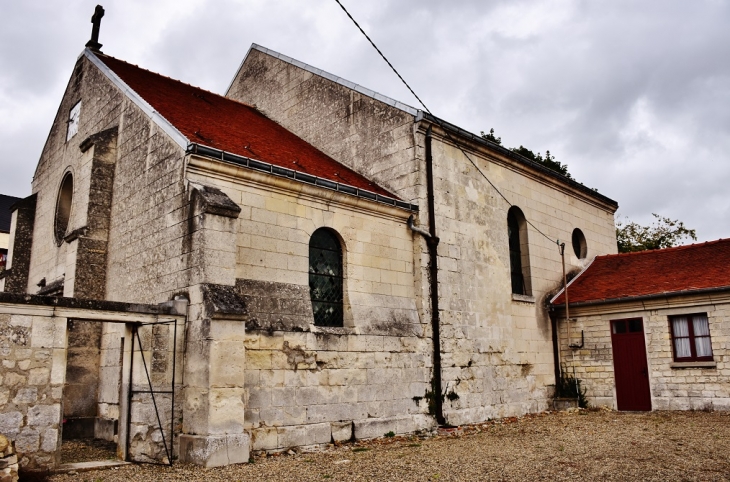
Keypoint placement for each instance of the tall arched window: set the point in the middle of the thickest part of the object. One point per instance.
(325, 277)
(519, 256)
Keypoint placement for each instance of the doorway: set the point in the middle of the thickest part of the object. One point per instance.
(630, 365)
(92, 391)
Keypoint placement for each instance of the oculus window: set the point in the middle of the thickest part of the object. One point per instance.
(580, 247)
(63, 208)
(325, 277)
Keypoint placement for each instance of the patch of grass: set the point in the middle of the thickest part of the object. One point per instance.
(360, 449)
(414, 445)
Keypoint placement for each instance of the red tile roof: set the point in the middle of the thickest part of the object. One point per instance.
(215, 121)
(671, 270)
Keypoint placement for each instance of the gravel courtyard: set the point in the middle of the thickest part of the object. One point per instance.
(579, 445)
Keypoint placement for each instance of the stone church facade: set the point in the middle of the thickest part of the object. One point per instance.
(275, 266)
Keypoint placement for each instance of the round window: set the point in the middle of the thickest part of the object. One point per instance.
(580, 248)
(63, 207)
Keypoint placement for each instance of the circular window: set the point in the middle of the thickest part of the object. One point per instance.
(63, 207)
(580, 248)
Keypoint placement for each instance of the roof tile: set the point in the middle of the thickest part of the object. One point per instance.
(219, 122)
(661, 271)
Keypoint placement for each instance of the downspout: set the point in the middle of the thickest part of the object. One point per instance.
(432, 241)
(556, 348)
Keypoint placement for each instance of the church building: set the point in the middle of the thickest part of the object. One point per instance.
(297, 262)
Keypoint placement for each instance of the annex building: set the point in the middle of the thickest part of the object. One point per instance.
(300, 261)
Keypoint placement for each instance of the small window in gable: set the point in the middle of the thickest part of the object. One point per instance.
(325, 277)
(519, 256)
(73, 121)
(580, 247)
(63, 208)
(691, 337)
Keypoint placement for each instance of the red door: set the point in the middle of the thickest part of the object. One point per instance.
(629, 363)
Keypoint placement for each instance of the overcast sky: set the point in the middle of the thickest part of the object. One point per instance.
(633, 96)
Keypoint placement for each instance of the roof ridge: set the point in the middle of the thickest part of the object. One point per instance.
(664, 250)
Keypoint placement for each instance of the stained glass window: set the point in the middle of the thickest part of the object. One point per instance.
(325, 277)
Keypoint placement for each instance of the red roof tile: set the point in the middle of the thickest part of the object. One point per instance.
(215, 121)
(691, 267)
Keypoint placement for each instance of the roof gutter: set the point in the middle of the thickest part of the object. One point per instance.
(513, 155)
(655, 296)
(261, 166)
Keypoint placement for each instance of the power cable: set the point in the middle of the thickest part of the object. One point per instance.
(438, 121)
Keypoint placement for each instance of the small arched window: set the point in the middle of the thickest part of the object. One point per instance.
(325, 277)
(580, 247)
(519, 257)
(63, 208)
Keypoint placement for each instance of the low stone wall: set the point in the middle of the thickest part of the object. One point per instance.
(31, 386)
(305, 388)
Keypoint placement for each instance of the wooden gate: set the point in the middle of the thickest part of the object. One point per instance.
(630, 366)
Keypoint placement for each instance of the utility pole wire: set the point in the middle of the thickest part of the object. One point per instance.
(438, 121)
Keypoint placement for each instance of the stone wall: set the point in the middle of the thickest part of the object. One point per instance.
(497, 349)
(673, 386)
(308, 385)
(31, 386)
(144, 220)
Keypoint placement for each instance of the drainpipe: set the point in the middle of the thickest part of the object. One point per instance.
(433, 241)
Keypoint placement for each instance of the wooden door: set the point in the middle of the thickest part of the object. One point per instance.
(630, 366)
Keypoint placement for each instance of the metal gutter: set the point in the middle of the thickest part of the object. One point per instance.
(261, 166)
(158, 119)
(513, 155)
(668, 294)
(433, 242)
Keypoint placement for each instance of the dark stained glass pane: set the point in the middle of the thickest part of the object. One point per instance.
(325, 278)
(515, 256)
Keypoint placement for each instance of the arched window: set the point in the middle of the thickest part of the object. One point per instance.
(325, 277)
(63, 208)
(519, 257)
(580, 247)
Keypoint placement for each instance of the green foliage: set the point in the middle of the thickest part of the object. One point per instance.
(663, 233)
(491, 137)
(390, 434)
(571, 387)
(547, 161)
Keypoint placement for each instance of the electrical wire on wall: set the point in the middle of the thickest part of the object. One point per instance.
(439, 122)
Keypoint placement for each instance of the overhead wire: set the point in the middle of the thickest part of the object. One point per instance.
(438, 121)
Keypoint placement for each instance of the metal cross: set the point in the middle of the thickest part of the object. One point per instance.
(94, 44)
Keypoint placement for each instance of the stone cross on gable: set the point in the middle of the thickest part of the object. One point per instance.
(94, 44)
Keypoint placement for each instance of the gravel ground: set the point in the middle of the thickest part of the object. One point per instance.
(579, 445)
(87, 450)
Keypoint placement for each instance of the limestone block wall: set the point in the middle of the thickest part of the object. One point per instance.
(303, 384)
(145, 257)
(673, 386)
(31, 386)
(497, 349)
(366, 134)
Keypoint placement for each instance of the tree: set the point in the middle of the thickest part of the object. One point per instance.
(663, 233)
(547, 161)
